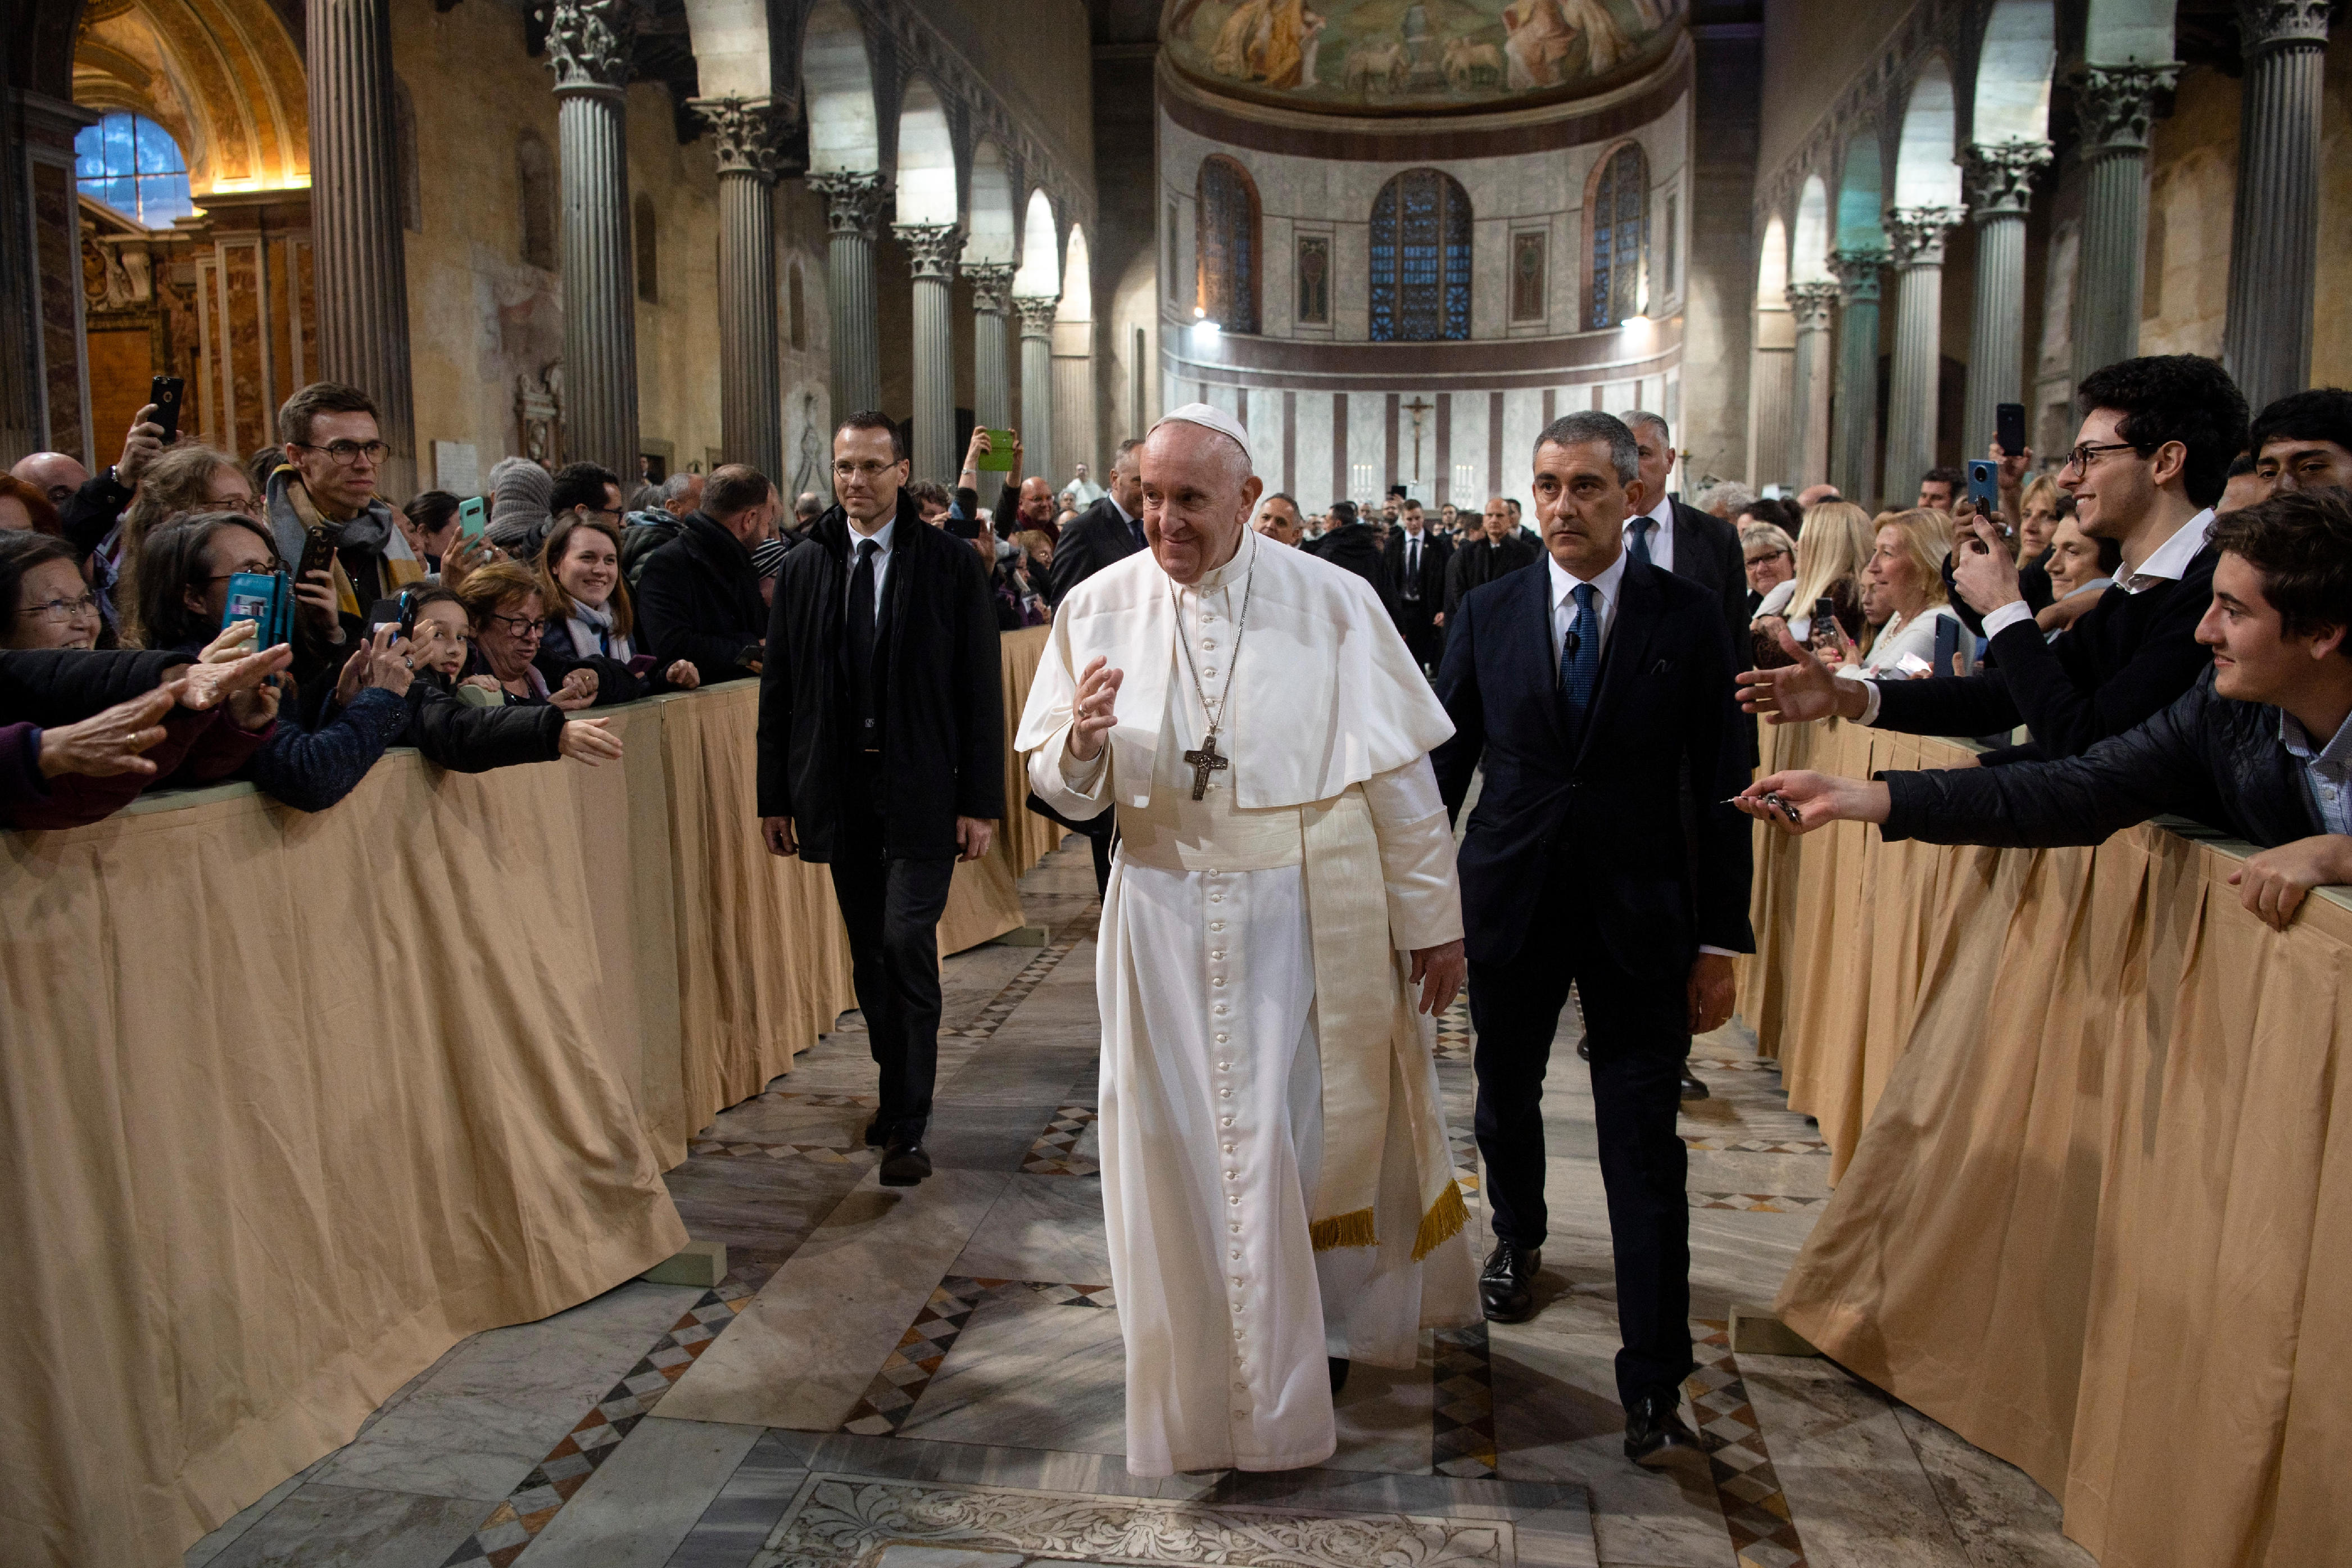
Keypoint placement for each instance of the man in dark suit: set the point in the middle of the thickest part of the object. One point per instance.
(1496, 550)
(1415, 562)
(882, 750)
(1110, 530)
(699, 595)
(1592, 690)
(1352, 546)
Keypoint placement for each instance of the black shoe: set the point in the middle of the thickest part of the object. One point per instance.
(1584, 1049)
(1692, 1087)
(1655, 1433)
(874, 1137)
(1339, 1374)
(1506, 1285)
(905, 1161)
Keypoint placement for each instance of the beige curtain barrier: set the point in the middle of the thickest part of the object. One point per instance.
(293, 1103)
(2091, 1213)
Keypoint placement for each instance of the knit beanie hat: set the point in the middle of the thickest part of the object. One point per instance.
(519, 489)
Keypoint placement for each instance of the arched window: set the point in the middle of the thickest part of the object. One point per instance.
(1617, 215)
(648, 249)
(1228, 244)
(535, 182)
(131, 164)
(1421, 258)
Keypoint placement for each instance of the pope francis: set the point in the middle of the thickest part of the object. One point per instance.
(1277, 1187)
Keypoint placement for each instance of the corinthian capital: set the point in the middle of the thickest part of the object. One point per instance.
(1917, 234)
(1999, 177)
(931, 248)
(1857, 274)
(2264, 24)
(1036, 314)
(1811, 303)
(853, 200)
(992, 290)
(744, 132)
(588, 43)
(2115, 103)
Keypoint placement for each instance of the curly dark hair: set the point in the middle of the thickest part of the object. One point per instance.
(2300, 542)
(2185, 398)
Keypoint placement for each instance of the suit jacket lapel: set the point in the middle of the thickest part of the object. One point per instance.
(1628, 648)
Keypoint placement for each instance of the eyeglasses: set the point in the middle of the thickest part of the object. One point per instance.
(346, 453)
(1768, 555)
(249, 505)
(869, 470)
(2081, 456)
(519, 629)
(62, 609)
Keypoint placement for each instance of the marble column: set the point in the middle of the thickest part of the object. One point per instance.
(2000, 180)
(2116, 105)
(1771, 384)
(853, 206)
(1036, 383)
(588, 45)
(359, 258)
(931, 249)
(1808, 403)
(991, 388)
(1917, 236)
(744, 133)
(1854, 434)
(2274, 234)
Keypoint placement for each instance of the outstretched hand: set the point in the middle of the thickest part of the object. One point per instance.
(1796, 693)
(1798, 802)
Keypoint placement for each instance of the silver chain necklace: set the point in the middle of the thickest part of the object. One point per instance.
(1204, 759)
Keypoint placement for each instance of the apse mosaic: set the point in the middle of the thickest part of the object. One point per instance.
(1355, 56)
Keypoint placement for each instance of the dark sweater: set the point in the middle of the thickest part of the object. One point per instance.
(2128, 657)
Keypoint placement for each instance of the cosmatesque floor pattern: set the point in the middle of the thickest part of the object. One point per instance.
(931, 1377)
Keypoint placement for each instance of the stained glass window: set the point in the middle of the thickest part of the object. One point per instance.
(1619, 221)
(1421, 258)
(131, 164)
(1228, 244)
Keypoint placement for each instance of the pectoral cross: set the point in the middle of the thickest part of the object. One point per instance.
(1205, 761)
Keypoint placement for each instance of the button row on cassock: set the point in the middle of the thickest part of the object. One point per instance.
(1233, 1173)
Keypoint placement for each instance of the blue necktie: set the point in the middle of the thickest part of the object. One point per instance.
(1638, 546)
(1580, 657)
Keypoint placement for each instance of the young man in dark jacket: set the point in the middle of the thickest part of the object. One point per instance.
(2152, 456)
(699, 599)
(882, 750)
(2260, 747)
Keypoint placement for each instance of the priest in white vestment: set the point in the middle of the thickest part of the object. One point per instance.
(1281, 922)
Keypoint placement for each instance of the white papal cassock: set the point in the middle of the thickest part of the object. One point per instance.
(1252, 973)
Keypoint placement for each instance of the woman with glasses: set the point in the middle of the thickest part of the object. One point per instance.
(42, 590)
(186, 479)
(508, 613)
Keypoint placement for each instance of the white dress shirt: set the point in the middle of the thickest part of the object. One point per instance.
(1662, 537)
(880, 536)
(1415, 545)
(2165, 564)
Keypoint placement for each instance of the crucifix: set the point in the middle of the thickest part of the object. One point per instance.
(1419, 409)
(1205, 761)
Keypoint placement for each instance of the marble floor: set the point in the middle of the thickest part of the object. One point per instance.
(930, 1378)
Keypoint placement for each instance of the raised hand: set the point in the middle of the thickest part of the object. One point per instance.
(1092, 716)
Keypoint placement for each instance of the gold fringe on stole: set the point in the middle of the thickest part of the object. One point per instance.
(1353, 1229)
(1448, 1215)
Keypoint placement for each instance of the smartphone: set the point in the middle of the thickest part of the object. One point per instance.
(1824, 628)
(318, 553)
(1950, 639)
(263, 598)
(399, 611)
(163, 392)
(473, 516)
(2009, 427)
(998, 459)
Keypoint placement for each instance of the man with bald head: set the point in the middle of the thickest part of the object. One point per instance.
(1281, 927)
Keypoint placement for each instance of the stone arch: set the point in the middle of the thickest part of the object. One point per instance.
(994, 238)
(925, 182)
(837, 85)
(1809, 242)
(1861, 190)
(1040, 276)
(223, 76)
(1924, 172)
(2013, 87)
(1077, 281)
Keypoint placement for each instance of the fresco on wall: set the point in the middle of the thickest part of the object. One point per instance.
(1414, 56)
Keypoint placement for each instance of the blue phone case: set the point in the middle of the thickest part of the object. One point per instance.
(263, 598)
